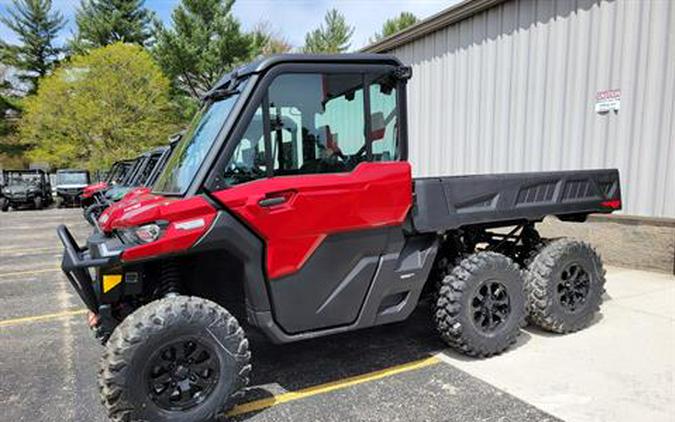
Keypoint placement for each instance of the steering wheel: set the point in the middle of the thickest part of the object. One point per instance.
(241, 172)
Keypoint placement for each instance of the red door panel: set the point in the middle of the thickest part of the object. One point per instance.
(298, 212)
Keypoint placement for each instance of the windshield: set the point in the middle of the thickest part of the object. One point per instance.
(23, 178)
(73, 178)
(118, 172)
(194, 146)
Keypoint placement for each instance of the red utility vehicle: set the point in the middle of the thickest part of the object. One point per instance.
(289, 205)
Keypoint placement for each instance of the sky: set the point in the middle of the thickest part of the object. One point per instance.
(291, 19)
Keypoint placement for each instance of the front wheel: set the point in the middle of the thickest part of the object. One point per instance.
(175, 359)
(4, 205)
(37, 203)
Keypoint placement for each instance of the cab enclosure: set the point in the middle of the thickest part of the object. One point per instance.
(25, 188)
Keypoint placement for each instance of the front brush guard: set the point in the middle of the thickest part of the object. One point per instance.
(75, 265)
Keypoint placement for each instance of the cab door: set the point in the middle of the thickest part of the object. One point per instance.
(317, 175)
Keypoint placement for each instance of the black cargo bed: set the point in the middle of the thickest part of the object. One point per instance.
(444, 203)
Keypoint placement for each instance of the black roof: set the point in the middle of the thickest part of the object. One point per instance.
(24, 171)
(72, 171)
(265, 63)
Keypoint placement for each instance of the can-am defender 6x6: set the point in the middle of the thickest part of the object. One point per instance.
(289, 203)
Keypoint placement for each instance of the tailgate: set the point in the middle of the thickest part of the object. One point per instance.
(443, 203)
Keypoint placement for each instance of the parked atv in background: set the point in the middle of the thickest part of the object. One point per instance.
(290, 203)
(142, 175)
(25, 188)
(116, 175)
(70, 185)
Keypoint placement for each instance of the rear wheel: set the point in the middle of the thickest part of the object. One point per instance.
(565, 282)
(37, 203)
(481, 305)
(176, 359)
(4, 204)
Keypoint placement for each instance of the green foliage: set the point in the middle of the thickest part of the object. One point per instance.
(266, 41)
(104, 22)
(394, 25)
(204, 42)
(100, 107)
(36, 26)
(333, 38)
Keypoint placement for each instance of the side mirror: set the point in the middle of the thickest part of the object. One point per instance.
(377, 126)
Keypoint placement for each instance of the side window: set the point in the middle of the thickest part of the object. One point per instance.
(317, 123)
(383, 119)
(248, 160)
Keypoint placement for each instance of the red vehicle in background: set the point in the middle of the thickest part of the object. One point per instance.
(116, 175)
(290, 203)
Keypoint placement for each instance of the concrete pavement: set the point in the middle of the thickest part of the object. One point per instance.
(619, 369)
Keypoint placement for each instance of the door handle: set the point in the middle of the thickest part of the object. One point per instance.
(270, 202)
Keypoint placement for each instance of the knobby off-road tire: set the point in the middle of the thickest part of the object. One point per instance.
(172, 342)
(441, 269)
(564, 284)
(462, 306)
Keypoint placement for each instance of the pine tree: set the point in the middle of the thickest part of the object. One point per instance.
(267, 41)
(204, 42)
(104, 22)
(394, 25)
(36, 27)
(332, 38)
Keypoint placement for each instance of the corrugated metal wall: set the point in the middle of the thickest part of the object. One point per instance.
(513, 88)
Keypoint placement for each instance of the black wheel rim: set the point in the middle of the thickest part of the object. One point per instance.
(182, 374)
(490, 306)
(573, 288)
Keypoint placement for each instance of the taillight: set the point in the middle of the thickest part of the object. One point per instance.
(614, 204)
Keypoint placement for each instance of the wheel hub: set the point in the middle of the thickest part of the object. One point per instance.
(490, 306)
(182, 374)
(573, 288)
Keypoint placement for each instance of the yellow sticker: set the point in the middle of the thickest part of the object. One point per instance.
(110, 281)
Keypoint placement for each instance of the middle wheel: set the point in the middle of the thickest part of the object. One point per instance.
(481, 305)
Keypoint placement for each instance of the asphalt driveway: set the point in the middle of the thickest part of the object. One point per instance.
(620, 368)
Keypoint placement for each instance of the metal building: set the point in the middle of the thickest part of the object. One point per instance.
(528, 85)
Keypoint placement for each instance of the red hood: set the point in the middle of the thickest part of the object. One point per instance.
(185, 221)
(138, 200)
(92, 189)
(136, 192)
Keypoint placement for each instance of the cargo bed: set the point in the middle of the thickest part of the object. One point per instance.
(445, 203)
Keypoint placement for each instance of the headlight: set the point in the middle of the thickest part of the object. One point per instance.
(147, 233)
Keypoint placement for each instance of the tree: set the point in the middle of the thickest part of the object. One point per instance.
(36, 27)
(267, 41)
(333, 38)
(11, 150)
(104, 22)
(108, 104)
(394, 25)
(204, 42)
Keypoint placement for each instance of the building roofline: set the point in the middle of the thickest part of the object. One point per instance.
(449, 16)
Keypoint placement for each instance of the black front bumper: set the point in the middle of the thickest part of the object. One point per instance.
(76, 265)
(20, 199)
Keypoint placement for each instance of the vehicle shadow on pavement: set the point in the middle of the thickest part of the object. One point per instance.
(533, 329)
(292, 367)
